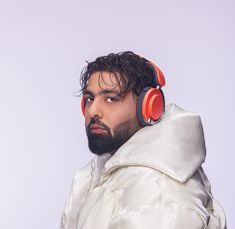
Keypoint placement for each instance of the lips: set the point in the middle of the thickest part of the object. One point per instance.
(95, 129)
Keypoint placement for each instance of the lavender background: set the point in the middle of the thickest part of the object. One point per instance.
(43, 48)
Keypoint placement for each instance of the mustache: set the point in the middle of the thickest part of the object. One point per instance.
(97, 122)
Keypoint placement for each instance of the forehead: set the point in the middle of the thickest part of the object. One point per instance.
(104, 80)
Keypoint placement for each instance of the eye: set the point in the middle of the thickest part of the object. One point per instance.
(88, 99)
(111, 99)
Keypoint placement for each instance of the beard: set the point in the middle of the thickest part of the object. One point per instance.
(106, 143)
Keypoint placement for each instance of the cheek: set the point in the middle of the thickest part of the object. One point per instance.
(120, 116)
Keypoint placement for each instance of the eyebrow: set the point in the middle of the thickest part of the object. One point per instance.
(102, 92)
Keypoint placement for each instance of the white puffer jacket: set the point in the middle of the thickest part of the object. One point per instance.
(154, 181)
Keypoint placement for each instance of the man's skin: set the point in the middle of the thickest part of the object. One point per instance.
(104, 104)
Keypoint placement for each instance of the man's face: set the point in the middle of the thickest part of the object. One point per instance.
(110, 119)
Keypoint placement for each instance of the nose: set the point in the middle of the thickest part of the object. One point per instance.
(94, 109)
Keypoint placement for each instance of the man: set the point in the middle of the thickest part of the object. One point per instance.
(147, 172)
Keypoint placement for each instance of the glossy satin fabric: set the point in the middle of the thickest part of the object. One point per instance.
(155, 180)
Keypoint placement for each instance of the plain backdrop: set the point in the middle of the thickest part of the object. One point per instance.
(43, 47)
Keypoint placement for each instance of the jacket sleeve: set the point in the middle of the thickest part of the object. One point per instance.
(159, 217)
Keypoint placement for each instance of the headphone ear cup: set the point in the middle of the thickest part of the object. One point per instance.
(150, 106)
(83, 105)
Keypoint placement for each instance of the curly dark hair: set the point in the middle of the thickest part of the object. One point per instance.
(131, 71)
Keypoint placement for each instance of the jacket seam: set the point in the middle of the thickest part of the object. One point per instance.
(116, 167)
(171, 204)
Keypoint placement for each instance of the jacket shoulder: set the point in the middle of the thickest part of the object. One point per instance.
(137, 187)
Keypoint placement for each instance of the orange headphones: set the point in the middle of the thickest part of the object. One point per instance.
(151, 101)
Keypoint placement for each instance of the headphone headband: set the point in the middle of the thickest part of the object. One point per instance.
(159, 76)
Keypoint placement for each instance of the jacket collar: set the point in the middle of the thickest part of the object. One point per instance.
(174, 146)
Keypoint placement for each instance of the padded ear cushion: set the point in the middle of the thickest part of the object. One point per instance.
(83, 105)
(150, 106)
